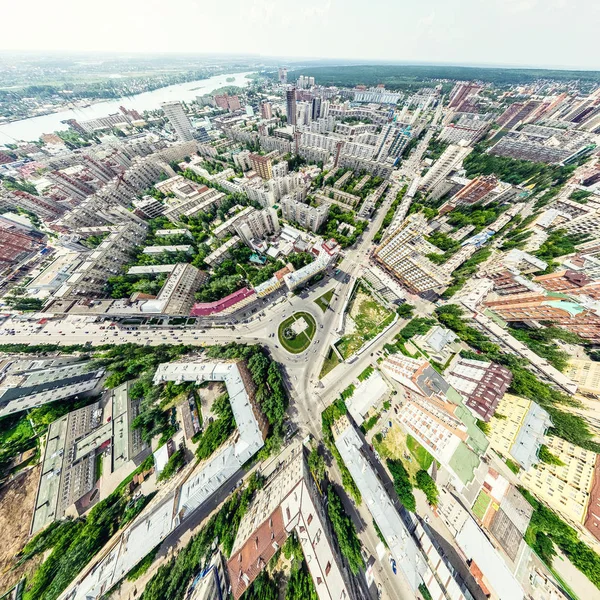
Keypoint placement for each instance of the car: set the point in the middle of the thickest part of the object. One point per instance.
(393, 565)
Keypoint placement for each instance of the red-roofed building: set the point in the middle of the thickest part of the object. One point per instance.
(226, 305)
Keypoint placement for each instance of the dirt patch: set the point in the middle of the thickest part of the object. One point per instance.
(209, 392)
(394, 446)
(17, 500)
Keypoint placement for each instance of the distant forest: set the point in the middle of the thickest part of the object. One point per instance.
(408, 77)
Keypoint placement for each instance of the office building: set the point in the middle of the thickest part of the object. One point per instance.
(518, 430)
(315, 109)
(26, 384)
(450, 160)
(179, 121)
(482, 384)
(290, 106)
(309, 217)
(288, 503)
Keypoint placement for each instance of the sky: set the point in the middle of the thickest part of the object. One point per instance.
(544, 33)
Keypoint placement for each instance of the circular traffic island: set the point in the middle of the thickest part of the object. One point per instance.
(296, 332)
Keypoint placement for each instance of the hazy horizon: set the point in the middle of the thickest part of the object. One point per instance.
(498, 33)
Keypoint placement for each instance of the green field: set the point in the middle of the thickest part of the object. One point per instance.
(421, 455)
(370, 318)
(330, 363)
(481, 505)
(297, 343)
(324, 300)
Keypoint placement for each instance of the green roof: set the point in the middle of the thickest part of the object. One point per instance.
(571, 307)
(463, 463)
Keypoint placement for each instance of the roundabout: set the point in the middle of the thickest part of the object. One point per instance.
(296, 332)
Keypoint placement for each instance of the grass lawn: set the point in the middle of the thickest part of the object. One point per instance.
(324, 300)
(369, 317)
(300, 342)
(394, 445)
(423, 457)
(330, 363)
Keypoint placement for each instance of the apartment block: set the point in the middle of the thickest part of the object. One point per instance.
(567, 488)
(105, 261)
(309, 217)
(534, 306)
(177, 293)
(571, 282)
(450, 160)
(434, 413)
(400, 254)
(179, 121)
(481, 383)
(518, 430)
(17, 243)
(288, 503)
(26, 384)
(262, 165)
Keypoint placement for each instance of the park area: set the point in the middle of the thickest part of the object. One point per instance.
(366, 318)
(296, 332)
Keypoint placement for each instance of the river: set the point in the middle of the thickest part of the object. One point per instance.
(31, 129)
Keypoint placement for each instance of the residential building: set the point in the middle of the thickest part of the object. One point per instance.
(222, 252)
(535, 306)
(266, 110)
(290, 105)
(304, 274)
(225, 306)
(564, 488)
(475, 191)
(419, 560)
(439, 343)
(402, 254)
(450, 160)
(434, 414)
(17, 243)
(309, 217)
(211, 582)
(89, 280)
(377, 95)
(179, 121)
(571, 282)
(257, 224)
(288, 503)
(481, 383)
(518, 430)
(227, 102)
(26, 384)
(43, 207)
(461, 92)
(262, 165)
(149, 207)
(586, 373)
(177, 293)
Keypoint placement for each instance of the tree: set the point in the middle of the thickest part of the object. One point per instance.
(402, 484)
(405, 310)
(316, 464)
(345, 531)
(427, 485)
(548, 457)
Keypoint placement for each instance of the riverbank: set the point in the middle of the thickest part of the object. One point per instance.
(30, 129)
